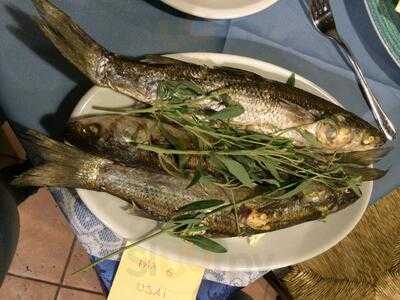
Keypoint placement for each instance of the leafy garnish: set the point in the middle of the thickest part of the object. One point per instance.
(177, 90)
(205, 243)
(195, 179)
(294, 191)
(291, 80)
(227, 113)
(237, 170)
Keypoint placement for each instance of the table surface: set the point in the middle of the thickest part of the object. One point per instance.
(39, 88)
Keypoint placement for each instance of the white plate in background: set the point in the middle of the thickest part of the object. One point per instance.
(220, 9)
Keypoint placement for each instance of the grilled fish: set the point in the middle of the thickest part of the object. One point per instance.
(116, 137)
(269, 106)
(161, 195)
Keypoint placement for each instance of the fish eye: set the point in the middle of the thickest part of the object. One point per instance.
(93, 129)
(367, 139)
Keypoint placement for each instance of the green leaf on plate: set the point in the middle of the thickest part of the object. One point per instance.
(237, 170)
(177, 90)
(272, 169)
(187, 216)
(309, 137)
(205, 244)
(228, 112)
(196, 178)
(272, 181)
(188, 221)
(291, 80)
(294, 191)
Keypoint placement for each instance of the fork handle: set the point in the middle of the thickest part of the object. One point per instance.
(380, 116)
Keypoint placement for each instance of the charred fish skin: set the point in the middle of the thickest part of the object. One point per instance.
(161, 195)
(269, 105)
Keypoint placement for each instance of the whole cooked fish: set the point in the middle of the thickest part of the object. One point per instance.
(116, 137)
(269, 106)
(161, 195)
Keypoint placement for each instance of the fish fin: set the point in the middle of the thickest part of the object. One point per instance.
(73, 43)
(158, 59)
(366, 174)
(50, 174)
(64, 165)
(364, 158)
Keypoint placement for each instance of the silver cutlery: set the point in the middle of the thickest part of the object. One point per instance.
(324, 22)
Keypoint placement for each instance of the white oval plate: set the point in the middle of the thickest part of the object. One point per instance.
(275, 249)
(220, 9)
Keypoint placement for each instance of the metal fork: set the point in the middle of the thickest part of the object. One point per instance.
(324, 22)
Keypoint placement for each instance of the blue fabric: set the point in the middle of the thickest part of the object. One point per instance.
(106, 271)
(211, 290)
(39, 88)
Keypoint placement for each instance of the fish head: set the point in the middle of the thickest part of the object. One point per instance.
(83, 129)
(342, 132)
(116, 129)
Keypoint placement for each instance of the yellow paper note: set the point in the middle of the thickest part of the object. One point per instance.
(146, 276)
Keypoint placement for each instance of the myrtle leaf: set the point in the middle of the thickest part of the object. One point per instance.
(291, 80)
(237, 170)
(294, 191)
(228, 112)
(182, 161)
(206, 180)
(201, 205)
(206, 244)
(309, 137)
(188, 221)
(272, 181)
(195, 179)
(177, 91)
(185, 217)
(272, 169)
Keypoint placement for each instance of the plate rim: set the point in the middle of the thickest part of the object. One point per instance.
(388, 50)
(219, 14)
(310, 254)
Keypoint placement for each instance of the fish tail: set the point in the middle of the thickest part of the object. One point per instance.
(366, 157)
(73, 43)
(61, 165)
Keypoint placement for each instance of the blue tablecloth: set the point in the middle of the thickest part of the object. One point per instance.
(38, 88)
